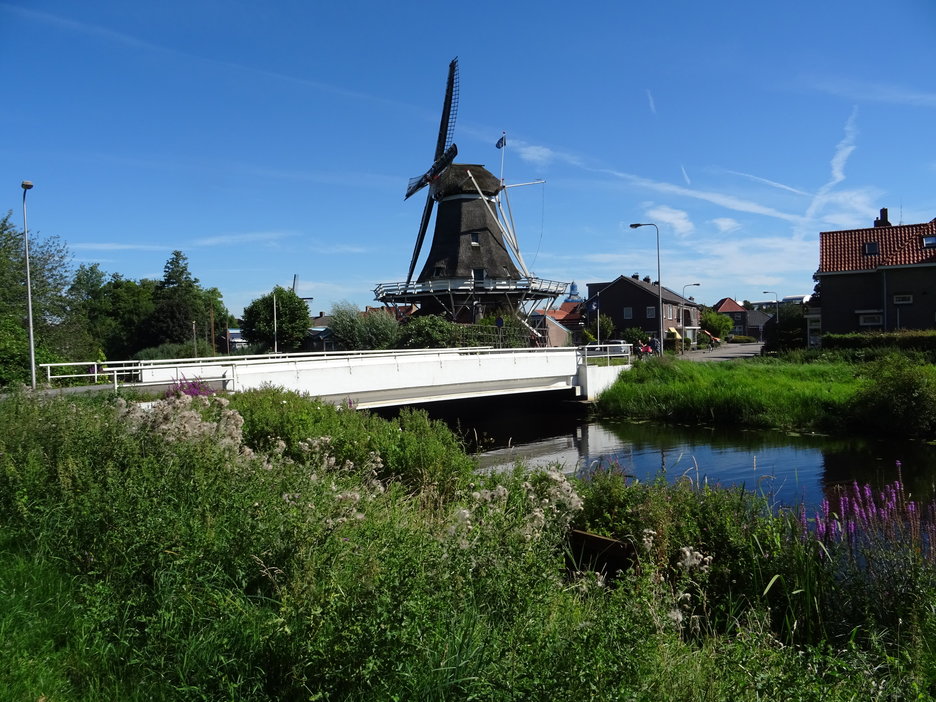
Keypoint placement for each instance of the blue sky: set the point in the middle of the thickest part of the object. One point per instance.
(267, 140)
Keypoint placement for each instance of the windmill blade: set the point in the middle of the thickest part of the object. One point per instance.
(418, 183)
(449, 111)
(423, 226)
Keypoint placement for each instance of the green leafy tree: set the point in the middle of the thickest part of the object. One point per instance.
(428, 332)
(716, 324)
(603, 324)
(292, 320)
(50, 270)
(356, 330)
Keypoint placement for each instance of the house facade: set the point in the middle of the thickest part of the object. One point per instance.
(746, 322)
(633, 302)
(881, 278)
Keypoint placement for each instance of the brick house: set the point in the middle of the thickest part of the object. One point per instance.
(878, 279)
(746, 322)
(633, 302)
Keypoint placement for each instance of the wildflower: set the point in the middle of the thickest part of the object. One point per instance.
(647, 538)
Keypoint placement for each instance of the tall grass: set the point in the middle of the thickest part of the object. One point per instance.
(892, 395)
(287, 550)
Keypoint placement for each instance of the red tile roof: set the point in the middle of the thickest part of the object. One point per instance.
(900, 245)
(727, 305)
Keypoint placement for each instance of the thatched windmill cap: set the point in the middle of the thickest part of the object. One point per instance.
(454, 180)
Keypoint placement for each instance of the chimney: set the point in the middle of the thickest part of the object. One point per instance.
(882, 220)
(646, 279)
(636, 276)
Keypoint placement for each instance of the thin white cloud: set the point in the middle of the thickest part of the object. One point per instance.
(771, 183)
(727, 201)
(651, 101)
(119, 246)
(677, 220)
(135, 43)
(843, 150)
(684, 174)
(250, 237)
(859, 91)
(725, 224)
(537, 155)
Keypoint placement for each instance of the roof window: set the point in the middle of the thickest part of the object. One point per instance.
(870, 248)
(929, 242)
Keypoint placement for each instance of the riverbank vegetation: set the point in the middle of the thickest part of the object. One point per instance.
(894, 393)
(266, 546)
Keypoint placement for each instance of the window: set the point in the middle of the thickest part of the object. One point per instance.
(478, 273)
(668, 312)
(869, 320)
(438, 272)
(628, 313)
(903, 299)
(870, 248)
(474, 239)
(929, 242)
(651, 313)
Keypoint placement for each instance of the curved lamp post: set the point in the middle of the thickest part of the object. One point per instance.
(26, 185)
(682, 322)
(777, 318)
(659, 278)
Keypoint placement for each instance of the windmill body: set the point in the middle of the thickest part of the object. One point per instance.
(473, 266)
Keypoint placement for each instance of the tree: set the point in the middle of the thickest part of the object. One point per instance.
(428, 332)
(356, 331)
(599, 328)
(291, 325)
(717, 325)
(179, 301)
(50, 270)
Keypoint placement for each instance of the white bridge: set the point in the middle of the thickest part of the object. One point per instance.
(363, 379)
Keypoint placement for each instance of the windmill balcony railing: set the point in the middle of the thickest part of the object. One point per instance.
(534, 285)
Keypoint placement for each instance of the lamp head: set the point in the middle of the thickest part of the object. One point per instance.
(26, 185)
(635, 225)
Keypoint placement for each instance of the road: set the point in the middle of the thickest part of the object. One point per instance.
(724, 352)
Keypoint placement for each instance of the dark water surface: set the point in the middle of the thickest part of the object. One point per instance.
(543, 430)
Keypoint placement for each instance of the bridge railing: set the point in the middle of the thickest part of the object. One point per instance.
(225, 368)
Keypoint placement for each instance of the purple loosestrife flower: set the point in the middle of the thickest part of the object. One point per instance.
(820, 527)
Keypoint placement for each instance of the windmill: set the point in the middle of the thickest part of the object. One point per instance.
(474, 265)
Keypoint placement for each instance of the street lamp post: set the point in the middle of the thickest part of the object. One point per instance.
(26, 185)
(635, 225)
(777, 316)
(682, 321)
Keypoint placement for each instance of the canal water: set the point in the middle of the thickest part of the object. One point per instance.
(789, 468)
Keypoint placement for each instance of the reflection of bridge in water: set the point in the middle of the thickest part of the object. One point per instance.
(375, 378)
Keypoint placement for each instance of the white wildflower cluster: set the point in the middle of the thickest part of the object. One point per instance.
(180, 418)
(690, 559)
(460, 526)
(553, 501)
(647, 539)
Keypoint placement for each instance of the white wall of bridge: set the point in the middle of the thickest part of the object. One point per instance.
(381, 378)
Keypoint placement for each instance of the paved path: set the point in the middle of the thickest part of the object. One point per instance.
(724, 352)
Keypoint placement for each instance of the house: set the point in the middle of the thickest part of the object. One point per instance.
(880, 278)
(746, 322)
(633, 302)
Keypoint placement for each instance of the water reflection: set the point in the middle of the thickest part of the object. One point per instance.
(547, 429)
(789, 468)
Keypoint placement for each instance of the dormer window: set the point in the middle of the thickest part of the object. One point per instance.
(929, 242)
(870, 248)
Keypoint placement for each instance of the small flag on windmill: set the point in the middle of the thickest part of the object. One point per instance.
(502, 142)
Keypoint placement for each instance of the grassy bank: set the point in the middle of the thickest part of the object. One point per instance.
(272, 547)
(894, 394)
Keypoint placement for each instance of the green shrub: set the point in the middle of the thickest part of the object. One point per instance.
(897, 397)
